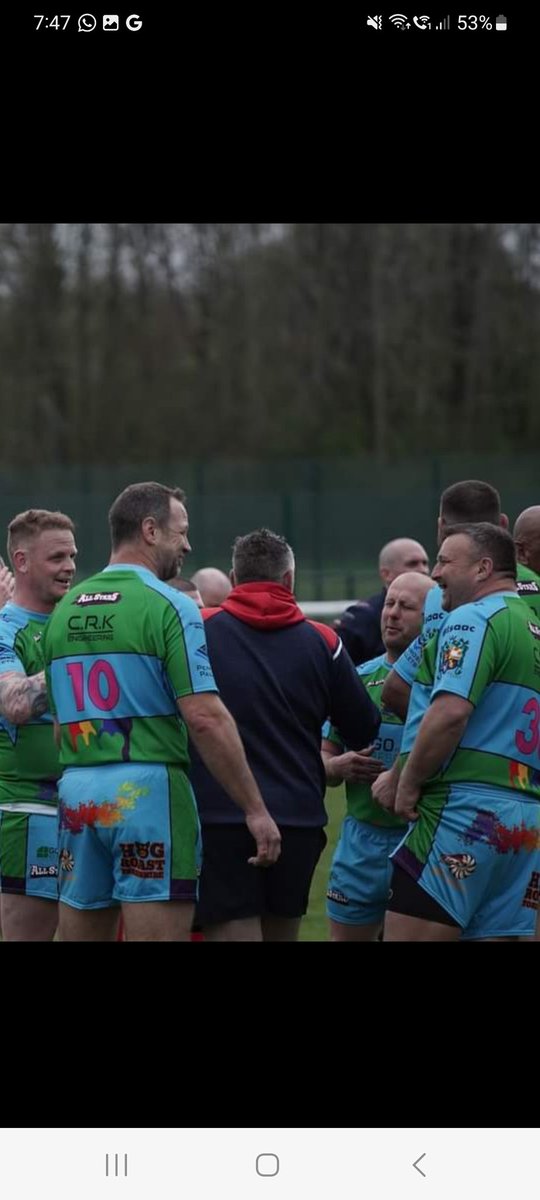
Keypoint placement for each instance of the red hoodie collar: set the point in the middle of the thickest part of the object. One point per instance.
(263, 605)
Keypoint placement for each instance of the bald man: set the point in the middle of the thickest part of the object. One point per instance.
(527, 542)
(359, 627)
(361, 870)
(213, 585)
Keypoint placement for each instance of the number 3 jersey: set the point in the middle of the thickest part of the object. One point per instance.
(488, 652)
(119, 650)
(386, 746)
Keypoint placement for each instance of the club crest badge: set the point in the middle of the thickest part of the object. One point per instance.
(452, 656)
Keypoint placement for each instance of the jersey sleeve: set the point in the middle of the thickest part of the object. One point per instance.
(9, 660)
(187, 659)
(408, 663)
(466, 659)
(330, 734)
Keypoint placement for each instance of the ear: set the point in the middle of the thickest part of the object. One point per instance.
(20, 561)
(148, 530)
(232, 577)
(385, 574)
(503, 521)
(440, 530)
(485, 568)
(288, 580)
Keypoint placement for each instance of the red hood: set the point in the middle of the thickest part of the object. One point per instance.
(263, 605)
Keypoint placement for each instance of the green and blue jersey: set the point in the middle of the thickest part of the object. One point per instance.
(488, 653)
(29, 766)
(528, 588)
(386, 747)
(120, 649)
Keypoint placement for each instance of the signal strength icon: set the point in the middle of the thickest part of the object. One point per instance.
(444, 24)
(400, 21)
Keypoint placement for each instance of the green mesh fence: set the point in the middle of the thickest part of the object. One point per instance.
(336, 513)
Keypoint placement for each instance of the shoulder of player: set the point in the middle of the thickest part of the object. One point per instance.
(527, 581)
(434, 613)
(462, 613)
(178, 604)
(373, 665)
(524, 572)
(14, 624)
(469, 618)
(9, 627)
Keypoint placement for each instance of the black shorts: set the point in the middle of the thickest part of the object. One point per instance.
(409, 898)
(231, 890)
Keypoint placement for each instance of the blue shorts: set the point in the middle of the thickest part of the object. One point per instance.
(361, 871)
(29, 854)
(129, 832)
(478, 855)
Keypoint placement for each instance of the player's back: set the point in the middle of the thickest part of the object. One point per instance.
(120, 648)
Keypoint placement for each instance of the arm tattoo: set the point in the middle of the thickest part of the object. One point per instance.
(22, 697)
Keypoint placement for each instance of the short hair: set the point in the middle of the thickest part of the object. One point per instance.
(470, 501)
(134, 504)
(490, 541)
(31, 523)
(182, 585)
(261, 555)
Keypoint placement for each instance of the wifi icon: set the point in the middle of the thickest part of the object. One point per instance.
(400, 21)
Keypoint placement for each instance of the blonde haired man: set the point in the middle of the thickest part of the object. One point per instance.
(42, 551)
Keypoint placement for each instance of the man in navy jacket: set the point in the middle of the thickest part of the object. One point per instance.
(359, 626)
(281, 676)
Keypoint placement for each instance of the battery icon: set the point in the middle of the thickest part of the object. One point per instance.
(500, 23)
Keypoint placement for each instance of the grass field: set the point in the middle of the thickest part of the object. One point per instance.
(314, 927)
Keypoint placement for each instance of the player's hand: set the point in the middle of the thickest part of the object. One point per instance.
(356, 766)
(7, 584)
(267, 837)
(407, 797)
(384, 788)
